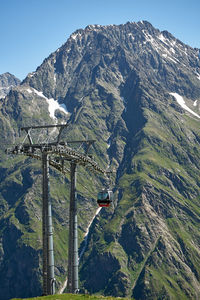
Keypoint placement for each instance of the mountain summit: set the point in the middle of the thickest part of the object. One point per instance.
(136, 90)
(7, 81)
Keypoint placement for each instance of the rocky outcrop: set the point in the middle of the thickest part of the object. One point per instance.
(7, 81)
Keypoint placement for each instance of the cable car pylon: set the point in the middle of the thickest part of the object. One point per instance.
(54, 154)
(72, 282)
(47, 231)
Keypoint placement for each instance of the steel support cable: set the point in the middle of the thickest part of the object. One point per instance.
(90, 194)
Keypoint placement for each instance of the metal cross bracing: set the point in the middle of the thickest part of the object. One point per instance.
(54, 154)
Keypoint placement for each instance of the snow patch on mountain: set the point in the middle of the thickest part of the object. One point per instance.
(181, 102)
(29, 91)
(131, 36)
(75, 35)
(170, 58)
(165, 47)
(54, 78)
(53, 104)
(109, 142)
(40, 94)
(31, 74)
(195, 103)
(163, 39)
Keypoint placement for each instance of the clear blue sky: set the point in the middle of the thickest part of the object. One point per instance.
(32, 29)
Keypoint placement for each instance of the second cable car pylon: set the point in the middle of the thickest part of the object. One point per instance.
(72, 282)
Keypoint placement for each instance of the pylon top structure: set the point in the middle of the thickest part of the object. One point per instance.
(57, 150)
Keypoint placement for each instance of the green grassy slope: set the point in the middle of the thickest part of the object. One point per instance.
(72, 297)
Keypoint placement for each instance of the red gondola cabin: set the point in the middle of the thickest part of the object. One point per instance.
(105, 197)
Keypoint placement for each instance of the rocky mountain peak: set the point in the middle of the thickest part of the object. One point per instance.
(7, 81)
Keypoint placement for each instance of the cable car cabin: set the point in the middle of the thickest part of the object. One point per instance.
(105, 197)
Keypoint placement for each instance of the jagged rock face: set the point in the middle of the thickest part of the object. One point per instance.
(124, 86)
(7, 81)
